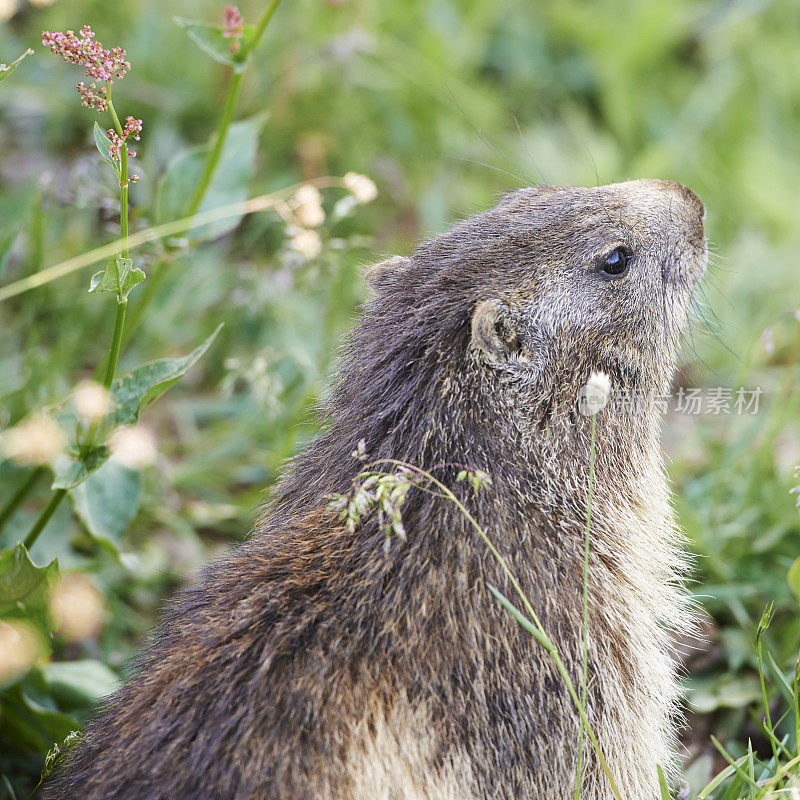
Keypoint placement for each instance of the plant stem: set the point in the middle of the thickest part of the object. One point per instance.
(14, 503)
(44, 517)
(212, 159)
(252, 205)
(759, 660)
(123, 178)
(116, 342)
(122, 304)
(262, 24)
(585, 680)
(234, 89)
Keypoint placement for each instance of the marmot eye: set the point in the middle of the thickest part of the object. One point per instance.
(615, 263)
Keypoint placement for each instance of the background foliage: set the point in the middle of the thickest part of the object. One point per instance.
(443, 104)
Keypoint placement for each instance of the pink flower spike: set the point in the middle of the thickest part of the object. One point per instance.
(234, 26)
(86, 51)
(91, 98)
(234, 22)
(132, 129)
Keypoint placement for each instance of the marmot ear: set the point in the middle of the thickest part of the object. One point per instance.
(381, 276)
(493, 329)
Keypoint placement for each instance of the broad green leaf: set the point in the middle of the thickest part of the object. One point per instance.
(79, 684)
(84, 463)
(103, 144)
(108, 500)
(130, 394)
(30, 718)
(119, 277)
(211, 39)
(7, 69)
(25, 589)
(228, 185)
(793, 576)
(133, 392)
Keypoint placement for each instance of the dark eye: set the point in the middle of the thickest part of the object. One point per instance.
(615, 263)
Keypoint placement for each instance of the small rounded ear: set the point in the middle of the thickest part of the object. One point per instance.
(381, 276)
(493, 329)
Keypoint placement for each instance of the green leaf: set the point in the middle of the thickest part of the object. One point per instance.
(103, 144)
(709, 694)
(25, 589)
(7, 69)
(228, 185)
(721, 778)
(793, 576)
(29, 718)
(108, 500)
(662, 784)
(130, 394)
(84, 463)
(135, 391)
(212, 40)
(783, 685)
(119, 277)
(79, 684)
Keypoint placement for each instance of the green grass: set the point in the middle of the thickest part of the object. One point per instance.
(436, 101)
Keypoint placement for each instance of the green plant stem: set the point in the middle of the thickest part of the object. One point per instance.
(44, 517)
(234, 90)
(123, 178)
(212, 159)
(796, 703)
(545, 639)
(759, 659)
(262, 24)
(261, 202)
(585, 680)
(116, 341)
(25, 487)
(122, 304)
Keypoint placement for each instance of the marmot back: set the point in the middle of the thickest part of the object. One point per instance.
(314, 662)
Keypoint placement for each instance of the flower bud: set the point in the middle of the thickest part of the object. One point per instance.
(593, 395)
(360, 186)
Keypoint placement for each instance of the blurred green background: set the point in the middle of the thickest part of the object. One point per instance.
(445, 105)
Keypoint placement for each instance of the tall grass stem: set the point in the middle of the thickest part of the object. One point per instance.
(585, 679)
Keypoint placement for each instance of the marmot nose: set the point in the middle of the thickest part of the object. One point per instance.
(686, 193)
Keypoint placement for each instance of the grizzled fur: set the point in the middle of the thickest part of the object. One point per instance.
(312, 664)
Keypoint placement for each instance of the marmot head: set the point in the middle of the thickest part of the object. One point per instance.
(554, 282)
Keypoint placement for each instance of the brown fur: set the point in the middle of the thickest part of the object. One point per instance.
(312, 664)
